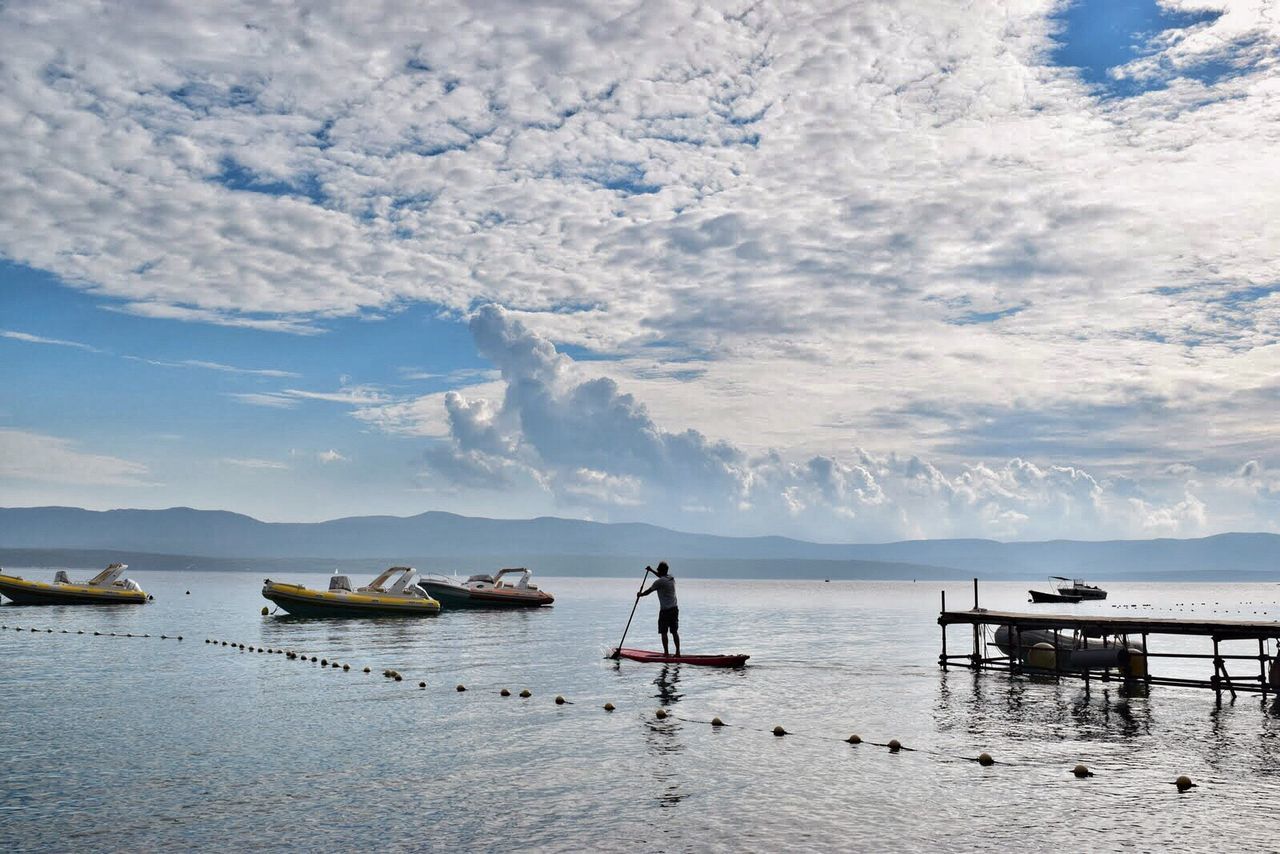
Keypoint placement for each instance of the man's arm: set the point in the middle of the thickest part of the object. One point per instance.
(647, 570)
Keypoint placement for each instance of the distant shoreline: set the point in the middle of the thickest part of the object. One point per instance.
(585, 566)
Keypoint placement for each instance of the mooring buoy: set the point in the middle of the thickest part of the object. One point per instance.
(504, 693)
(779, 731)
(717, 722)
(984, 759)
(526, 693)
(1081, 771)
(894, 745)
(660, 714)
(422, 684)
(460, 687)
(265, 610)
(608, 707)
(1183, 783)
(854, 739)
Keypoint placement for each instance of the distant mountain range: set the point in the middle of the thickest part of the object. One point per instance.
(222, 540)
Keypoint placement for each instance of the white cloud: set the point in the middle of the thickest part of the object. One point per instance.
(215, 366)
(231, 369)
(355, 395)
(331, 456)
(891, 226)
(36, 457)
(39, 339)
(253, 463)
(272, 400)
(596, 449)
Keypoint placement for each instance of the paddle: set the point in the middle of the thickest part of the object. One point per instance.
(617, 653)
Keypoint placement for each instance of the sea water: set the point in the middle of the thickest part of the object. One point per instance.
(150, 744)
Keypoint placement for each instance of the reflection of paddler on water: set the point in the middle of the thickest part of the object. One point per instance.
(668, 611)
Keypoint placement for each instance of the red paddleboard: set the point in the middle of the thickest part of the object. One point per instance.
(657, 657)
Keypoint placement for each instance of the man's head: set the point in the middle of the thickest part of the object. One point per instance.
(663, 569)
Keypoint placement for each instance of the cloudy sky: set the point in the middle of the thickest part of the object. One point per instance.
(852, 272)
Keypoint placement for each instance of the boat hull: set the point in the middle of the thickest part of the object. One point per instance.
(1067, 652)
(1042, 597)
(301, 601)
(655, 657)
(23, 592)
(452, 596)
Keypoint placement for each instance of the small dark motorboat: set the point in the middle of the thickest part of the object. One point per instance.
(660, 658)
(1041, 597)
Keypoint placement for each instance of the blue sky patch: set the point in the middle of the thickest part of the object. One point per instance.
(236, 176)
(1099, 35)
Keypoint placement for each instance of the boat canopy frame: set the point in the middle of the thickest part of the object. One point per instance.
(108, 576)
(406, 574)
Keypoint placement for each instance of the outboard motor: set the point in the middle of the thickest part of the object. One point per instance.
(60, 577)
(340, 582)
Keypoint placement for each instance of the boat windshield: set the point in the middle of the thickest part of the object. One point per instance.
(377, 585)
(521, 582)
(108, 575)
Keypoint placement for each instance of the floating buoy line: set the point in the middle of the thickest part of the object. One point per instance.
(48, 631)
(1182, 783)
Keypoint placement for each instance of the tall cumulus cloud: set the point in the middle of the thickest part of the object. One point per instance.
(595, 448)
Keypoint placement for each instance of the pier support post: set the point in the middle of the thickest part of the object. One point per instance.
(942, 659)
(976, 658)
(1215, 680)
(1262, 667)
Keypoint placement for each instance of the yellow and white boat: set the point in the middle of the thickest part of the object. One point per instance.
(380, 597)
(105, 588)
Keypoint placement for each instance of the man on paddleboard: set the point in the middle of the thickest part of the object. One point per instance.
(668, 614)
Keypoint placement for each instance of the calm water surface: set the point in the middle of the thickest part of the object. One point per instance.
(144, 744)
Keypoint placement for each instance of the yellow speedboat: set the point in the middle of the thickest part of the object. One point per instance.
(105, 588)
(380, 597)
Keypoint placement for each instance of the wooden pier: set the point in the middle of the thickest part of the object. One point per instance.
(1095, 646)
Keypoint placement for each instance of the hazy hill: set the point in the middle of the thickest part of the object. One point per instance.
(470, 541)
